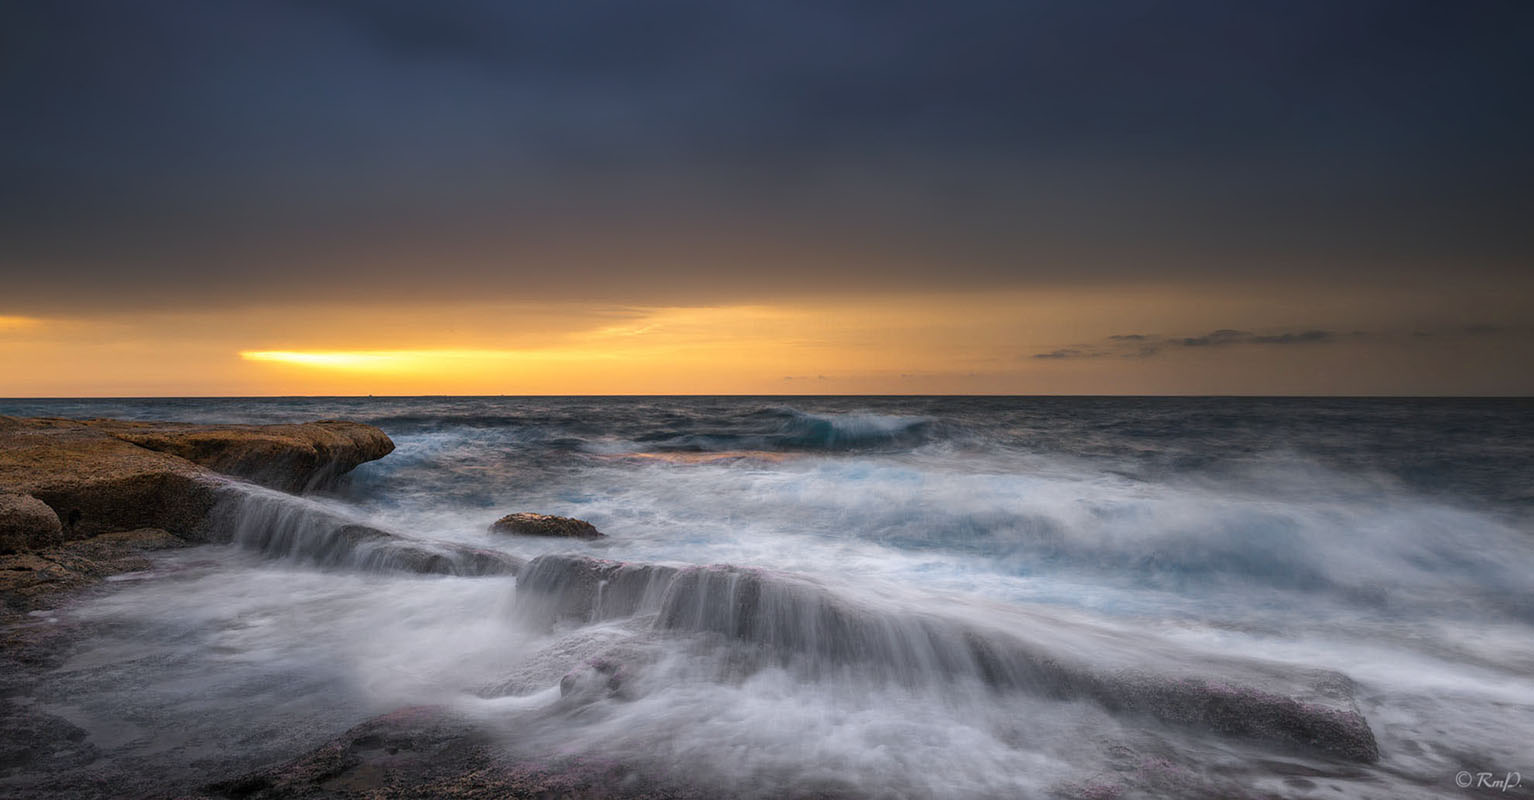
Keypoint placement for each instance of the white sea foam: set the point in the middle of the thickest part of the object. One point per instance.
(1423, 599)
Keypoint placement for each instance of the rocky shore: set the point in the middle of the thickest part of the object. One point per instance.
(84, 500)
(78, 499)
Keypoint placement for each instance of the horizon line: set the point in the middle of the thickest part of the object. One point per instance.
(744, 395)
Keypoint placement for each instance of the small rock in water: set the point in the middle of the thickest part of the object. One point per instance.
(527, 524)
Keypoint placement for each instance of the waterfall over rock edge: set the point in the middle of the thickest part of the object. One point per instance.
(297, 529)
(819, 631)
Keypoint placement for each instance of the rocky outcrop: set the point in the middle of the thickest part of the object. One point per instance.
(529, 524)
(27, 522)
(102, 476)
(291, 458)
(81, 500)
(97, 483)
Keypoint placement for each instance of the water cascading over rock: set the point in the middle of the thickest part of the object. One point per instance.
(810, 628)
(304, 531)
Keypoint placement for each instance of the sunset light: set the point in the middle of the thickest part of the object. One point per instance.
(748, 399)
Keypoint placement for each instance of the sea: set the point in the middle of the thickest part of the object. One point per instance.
(1384, 542)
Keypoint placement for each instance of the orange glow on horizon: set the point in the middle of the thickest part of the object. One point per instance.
(894, 344)
(12, 323)
(424, 362)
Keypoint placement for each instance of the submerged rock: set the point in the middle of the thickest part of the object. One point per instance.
(554, 588)
(426, 751)
(33, 580)
(32, 740)
(600, 677)
(528, 524)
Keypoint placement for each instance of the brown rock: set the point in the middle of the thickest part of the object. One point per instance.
(287, 457)
(87, 497)
(34, 580)
(27, 579)
(27, 522)
(527, 524)
(97, 483)
(123, 544)
(108, 475)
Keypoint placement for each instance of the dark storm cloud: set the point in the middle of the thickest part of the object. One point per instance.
(675, 151)
(1215, 338)
(1145, 345)
(1301, 337)
(1067, 352)
(1226, 337)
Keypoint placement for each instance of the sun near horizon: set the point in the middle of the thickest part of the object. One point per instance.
(488, 198)
(1058, 342)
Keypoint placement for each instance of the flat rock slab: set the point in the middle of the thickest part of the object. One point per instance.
(529, 524)
(80, 499)
(287, 457)
(101, 476)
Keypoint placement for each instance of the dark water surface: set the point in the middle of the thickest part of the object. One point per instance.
(1389, 539)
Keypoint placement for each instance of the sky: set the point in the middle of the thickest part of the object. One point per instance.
(830, 197)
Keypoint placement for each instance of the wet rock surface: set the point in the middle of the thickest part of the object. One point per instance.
(427, 752)
(529, 524)
(82, 501)
(37, 579)
(34, 740)
(775, 619)
(800, 623)
(295, 529)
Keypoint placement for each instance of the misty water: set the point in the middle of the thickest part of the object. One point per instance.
(1390, 541)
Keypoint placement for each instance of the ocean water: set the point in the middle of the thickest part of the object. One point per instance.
(1387, 540)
